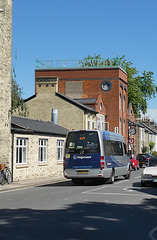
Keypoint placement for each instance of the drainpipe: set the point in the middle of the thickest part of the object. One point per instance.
(12, 155)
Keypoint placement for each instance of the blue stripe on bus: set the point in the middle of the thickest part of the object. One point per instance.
(112, 162)
(85, 161)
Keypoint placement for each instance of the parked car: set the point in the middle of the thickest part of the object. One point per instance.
(143, 159)
(134, 162)
(149, 174)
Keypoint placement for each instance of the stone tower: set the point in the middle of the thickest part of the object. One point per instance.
(5, 79)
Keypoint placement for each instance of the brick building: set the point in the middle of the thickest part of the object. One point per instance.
(5, 79)
(132, 140)
(90, 82)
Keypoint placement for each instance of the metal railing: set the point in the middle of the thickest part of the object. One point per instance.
(85, 63)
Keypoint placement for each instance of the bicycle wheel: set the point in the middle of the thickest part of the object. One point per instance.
(2, 179)
(8, 176)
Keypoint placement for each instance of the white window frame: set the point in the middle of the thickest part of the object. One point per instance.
(60, 148)
(93, 123)
(88, 123)
(21, 150)
(42, 150)
(100, 122)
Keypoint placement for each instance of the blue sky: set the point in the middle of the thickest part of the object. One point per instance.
(74, 29)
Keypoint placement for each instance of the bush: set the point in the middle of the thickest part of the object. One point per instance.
(154, 154)
(144, 149)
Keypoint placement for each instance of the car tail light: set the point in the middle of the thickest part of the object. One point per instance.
(102, 165)
(147, 159)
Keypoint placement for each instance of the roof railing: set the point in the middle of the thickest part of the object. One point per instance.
(85, 63)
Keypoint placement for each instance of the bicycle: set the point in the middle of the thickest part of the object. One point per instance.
(5, 176)
(2, 178)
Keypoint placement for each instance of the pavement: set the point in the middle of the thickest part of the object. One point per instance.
(31, 183)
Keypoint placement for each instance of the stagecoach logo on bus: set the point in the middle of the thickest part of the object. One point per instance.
(81, 157)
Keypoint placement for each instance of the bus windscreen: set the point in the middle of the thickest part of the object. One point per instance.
(87, 141)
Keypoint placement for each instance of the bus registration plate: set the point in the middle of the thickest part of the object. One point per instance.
(82, 172)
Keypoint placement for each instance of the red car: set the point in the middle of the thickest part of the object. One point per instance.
(134, 162)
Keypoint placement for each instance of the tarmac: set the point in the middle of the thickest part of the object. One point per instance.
(31, 183)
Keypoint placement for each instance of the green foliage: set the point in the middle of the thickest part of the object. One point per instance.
(18, 107)
(154, 154)
(144, 149)
(151, 146)
(140, 88)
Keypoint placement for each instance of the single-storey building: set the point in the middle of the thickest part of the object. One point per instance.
(37, 148)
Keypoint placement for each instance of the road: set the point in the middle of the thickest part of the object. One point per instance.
(123, 210)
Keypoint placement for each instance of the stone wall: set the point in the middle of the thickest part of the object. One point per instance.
(40, 107)
(5, 78)
(34, 169)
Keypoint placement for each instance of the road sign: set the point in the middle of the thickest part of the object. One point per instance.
(131, 140)
(132, 131)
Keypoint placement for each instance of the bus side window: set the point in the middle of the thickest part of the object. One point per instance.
(125, 151)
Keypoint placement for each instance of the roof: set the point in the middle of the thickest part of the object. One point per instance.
(21, 124)
(76, 103)
(31, 97)
(139, 125)
(147, 128)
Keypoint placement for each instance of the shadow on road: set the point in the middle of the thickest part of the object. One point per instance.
(90, 220)
(150, 189)
(69, 183)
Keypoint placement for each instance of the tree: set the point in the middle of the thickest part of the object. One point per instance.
(18, 107)
(151, 146)
(140, 88)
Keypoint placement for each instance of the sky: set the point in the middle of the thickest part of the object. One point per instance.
(74, 29)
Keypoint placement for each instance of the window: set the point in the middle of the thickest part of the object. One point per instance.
(93, 123)
(82, 142)
(120, 102)
(124, 104)
(42, 150)
(113, 148)
(100, 122)
(124, 127)
(60, 144)
(120, 125)
(100, 107)
(88, 123)
(125, 150)
(21, 150)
